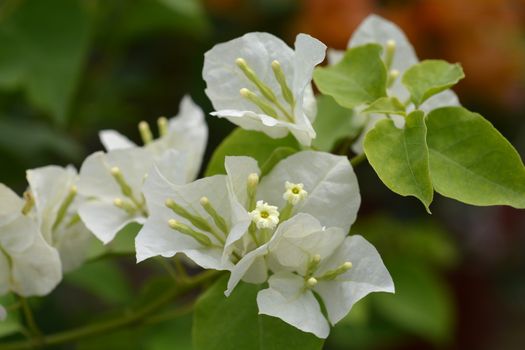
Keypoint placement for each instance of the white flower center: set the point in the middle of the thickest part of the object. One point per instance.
(294, 193)
(265, 216)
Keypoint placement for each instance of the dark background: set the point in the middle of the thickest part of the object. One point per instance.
(69, 68)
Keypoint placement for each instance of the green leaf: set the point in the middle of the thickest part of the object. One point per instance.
(333, 123)
(470, 161)
(422, 303)
(29, 140)
(400, 156)
(147, 18)
(360, 77)
(386, 105)
(233, 323)
(423, 240)
(430, 77)
(277, 155)
(43, 52)
(246, 143)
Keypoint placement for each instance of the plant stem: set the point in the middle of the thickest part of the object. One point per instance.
(355, 161)
(29, 318)
(139, 316)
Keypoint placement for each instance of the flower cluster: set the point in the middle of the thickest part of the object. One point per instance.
(288, 228)
(112, 181)
(48, 231)
(259, 83)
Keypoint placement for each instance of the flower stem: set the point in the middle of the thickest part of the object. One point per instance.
(29, 318)
(143, 315)
(355, 161)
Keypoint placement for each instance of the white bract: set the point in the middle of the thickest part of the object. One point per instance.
(194, 219)
(260, 83)
(54, 190)
(332, 198)
(186, 132)
(113, 181)
(339, 270)
(399, 55)
(112, 184)
(29, 266)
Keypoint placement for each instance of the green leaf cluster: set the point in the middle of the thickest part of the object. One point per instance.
(449, 150)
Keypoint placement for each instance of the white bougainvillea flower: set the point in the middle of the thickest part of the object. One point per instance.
(29, 266)
(259, 83)
(399, 55)
(194, 219)
(339, 270)
(329, 191)
(54, 190)
(186, 132)
(112, 184)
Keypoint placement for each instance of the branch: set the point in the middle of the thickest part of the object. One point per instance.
(130, 318)
(355, 161)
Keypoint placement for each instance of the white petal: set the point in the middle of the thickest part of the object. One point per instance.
(112, 140)
(95, 174)
(104, 219)
(309, 52)
(173, 166)
(299, 239)
(157, 238)
(4, 273)
(50, 185)
(238, 169)
(334, 56)
(249, 120)
(188, 133)
(357, 146)
(224, 79)
(287, 299)
(295, 224)
(443, 99)
(241, 268)
(368, 274)
(310, 104)
(333, 192)
(375, 29)
(35, 266)
(72, 244)
(10, 205)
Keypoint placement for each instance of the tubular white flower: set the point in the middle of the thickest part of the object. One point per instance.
(259, 83)
(29, 266)
(294, 193)
(375, 29)
(56, 203)
(265, 216)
